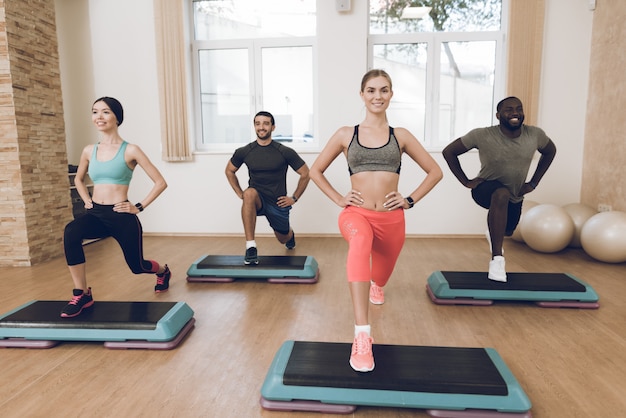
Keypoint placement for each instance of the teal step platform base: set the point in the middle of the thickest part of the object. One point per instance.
(274, 269)
(550, 290)
(149, 325)
(444, 381)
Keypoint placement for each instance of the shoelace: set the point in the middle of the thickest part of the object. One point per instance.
(76, 299)
(362, 346)
(161, 277)
(377, 290)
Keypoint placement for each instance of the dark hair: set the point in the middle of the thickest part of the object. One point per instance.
(375, 73)
(266, 114)
(115, 106)
(501, 102)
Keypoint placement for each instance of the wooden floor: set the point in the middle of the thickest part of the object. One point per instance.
(570, 362)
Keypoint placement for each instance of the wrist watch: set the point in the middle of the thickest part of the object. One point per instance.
(295, 199)
(410, 201)
(139, 206)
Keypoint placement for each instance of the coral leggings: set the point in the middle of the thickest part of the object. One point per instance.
(375, 240)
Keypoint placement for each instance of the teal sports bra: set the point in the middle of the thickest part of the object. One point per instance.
(113, 171)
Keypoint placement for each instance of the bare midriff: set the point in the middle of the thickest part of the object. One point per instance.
(374, 186)
(109, 194)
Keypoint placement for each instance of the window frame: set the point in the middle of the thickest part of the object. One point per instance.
(434, 41)
(254, 46)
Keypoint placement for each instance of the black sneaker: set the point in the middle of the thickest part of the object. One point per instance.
(291, 244)
(80, 301)
(251, 256)
(163, 280)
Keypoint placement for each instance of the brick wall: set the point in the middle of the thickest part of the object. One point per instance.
(35, 203)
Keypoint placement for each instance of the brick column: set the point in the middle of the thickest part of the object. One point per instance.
(35, 202)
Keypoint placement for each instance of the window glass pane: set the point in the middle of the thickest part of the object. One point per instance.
(406, 64)
(224, 95)
(455, 70)
(249, 19)
(406, 16)
(288, 91)
(466, 87)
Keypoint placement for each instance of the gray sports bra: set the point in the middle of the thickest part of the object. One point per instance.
(385, 158)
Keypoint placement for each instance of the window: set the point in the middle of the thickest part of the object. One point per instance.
(446, 60)
(252, 55)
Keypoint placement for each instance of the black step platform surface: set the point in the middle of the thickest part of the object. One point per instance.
(103, 315)
(398, 368)
(537, 282)
(273, 262)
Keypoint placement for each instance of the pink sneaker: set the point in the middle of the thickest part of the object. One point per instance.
(362, 357)
(377, 295)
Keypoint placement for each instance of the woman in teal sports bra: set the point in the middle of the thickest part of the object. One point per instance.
(110, 164)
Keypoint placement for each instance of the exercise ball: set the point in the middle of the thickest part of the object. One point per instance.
(547, 228)
(603, 236)
(517, 234)
(579, 213)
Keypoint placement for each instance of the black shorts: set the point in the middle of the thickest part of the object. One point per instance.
(482, 195)
(277, 217)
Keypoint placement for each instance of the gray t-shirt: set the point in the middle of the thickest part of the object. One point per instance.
(506, 159)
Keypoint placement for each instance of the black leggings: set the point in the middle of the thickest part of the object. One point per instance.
(101, 222)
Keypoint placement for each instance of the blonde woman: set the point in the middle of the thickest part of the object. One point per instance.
(372, 219)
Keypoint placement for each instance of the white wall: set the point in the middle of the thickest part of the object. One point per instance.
(77, 75)
(122, 61)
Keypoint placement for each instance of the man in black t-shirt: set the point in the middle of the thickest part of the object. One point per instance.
(266, 195)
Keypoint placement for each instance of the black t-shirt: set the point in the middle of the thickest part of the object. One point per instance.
(267, 166)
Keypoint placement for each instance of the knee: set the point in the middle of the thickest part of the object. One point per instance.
(359, 242)
(72, 233)
(500, 196)
(250, 195)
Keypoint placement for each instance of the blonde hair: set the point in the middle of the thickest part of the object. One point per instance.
(373, 74)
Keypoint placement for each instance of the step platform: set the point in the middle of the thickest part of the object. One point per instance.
(444, 381)
(549, 290)
(274, 269)
(146, 325)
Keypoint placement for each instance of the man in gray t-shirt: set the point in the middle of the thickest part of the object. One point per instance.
(505, 152)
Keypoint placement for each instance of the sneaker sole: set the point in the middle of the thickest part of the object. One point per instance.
(497, 279)
(247, 263)
(362, 369)
(376, 303)
(87, 305)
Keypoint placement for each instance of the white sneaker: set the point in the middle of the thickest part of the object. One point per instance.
(496, 269)
(488, 236)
